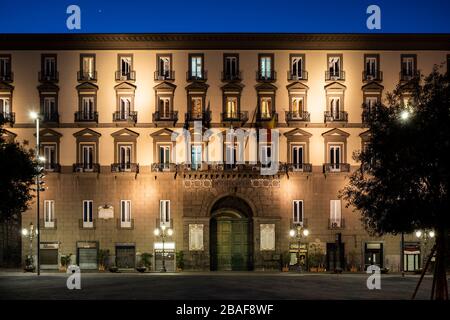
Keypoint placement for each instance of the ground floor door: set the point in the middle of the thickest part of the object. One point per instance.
(48, 258)
(169, 260)
(373, 254)
(230, 243)
(125, 257)
(335, 256)
(87, 258)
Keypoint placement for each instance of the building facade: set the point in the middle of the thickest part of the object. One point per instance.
(110, 106)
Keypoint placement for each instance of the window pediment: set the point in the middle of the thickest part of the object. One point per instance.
(372, 87)
(125, 87)
(49, 135)
(335, 135)
(163, 135)
(5, 87)
(87, 86)
(87, 133)
(266, 87)
(232, 88)
(335, 87)
(48, 87)
(296, 133)
(197, 87)
(297, 86)
(125, 133)
(164, 87)
(9, 136)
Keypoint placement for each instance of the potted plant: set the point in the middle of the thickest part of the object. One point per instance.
(145, 263)
(29, 264)
(352, 261)
(103, 257)
(286, 258)
(113, 268)
(65, 262)
(180, 260)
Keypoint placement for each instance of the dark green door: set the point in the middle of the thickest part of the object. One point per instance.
(232, 244)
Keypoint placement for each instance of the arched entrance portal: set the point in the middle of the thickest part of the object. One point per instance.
(231, 235)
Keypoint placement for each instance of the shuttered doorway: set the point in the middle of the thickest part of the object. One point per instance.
(87, 258)
(125, 257)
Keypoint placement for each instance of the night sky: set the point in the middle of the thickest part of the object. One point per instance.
(313, 16)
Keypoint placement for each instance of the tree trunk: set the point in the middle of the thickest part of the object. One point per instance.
(440, 290)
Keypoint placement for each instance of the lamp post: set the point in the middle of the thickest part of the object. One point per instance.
(298, 233)
(31, 232)
(425, 235)
(163, 232)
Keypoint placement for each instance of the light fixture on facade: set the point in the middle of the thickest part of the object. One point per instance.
(404, 115)
(418, 233)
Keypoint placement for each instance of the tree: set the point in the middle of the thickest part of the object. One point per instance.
(403, 182)
(16, 180)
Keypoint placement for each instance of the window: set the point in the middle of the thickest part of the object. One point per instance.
(335, 107)
(297, 156)
(125, 213)
(335, 157)
(266, 107)
(371, 67)
(196, 67)
(297, 107)
(88, 221)
(49, 108)
(49, 67)
(5, 68)
(334, 66)
(408, 66)
(49, 213)
(124, 107)
(125, 65)
(87, 157)
(87, 108)
(164, 213)
(87, 67)
(335, 214)
(196, 106)
(231, 67)
(297, 212)
(164, 67)
(125, 157)
(164, 107)
(196, 156)
(265, 156)
(50, 156)
(370, 103)
(265, 67)
(5, 105)
(164, 157)
(297, 67)
(231, 107)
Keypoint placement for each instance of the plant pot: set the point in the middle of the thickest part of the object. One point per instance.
(141, 269)
(321, 269)
(101, 268)
(285, 269)
(313, 269)
(29, 268)
(113, 269)
(353, 269)
(179, 269)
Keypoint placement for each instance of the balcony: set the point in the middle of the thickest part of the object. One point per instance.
(125, 76)
(294, 117)
(163, 167)
(266, 76)
(298, 167)
(196, 76)
(50, 117)
(408, 75)
(336, 167)
(125, 167)
(47, 224)
(238, 118)
(81, 116)
(336, 224)
(48, 77)
(7, 77)
(86, 167)
(164, 75)
(372, 76)
(8, 117)
(341, 116)
(230, 76)
(265, 117)
(90, 225)
(302, 223)
(86, 76)
(297, 76)
(52, 167)
(125, 224)
(334, 75)
(203, 116)
(169, 118)
(120, 116)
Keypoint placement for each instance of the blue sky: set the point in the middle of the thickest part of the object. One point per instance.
(103, 16)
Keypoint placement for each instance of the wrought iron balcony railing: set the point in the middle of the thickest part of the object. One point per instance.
(86, 167)
(161, 167)
(262, 116)
(266, 75)
(125, 76)
(296, 76)
(334, 75)
(297, 116)
(231, 76)
(7, 77)
(50, 117)
(165, 116)
(8, 117)
(87, 76)
(372, 75)
(298, 167)
(201, 75)
(336, 224)
(234, 116)
(48, 77)
(81, 116)
(162, 75)
(52, 167)
(130, 116)
(407, 75)
(200, 116)
(330, 116)
(125, 167)
(336, 167)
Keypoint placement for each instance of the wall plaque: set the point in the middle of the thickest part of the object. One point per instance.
(196, 237)
(106, 212)
(267, 235)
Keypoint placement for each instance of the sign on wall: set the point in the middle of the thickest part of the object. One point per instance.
(196, 237)
(267, 235)
(106, 212)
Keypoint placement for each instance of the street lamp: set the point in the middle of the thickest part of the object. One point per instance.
(298, 233)
(31, 232)
(163, 232)
(425, 235)
(404, 115)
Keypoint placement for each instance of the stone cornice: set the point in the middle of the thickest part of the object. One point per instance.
(228, 41)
